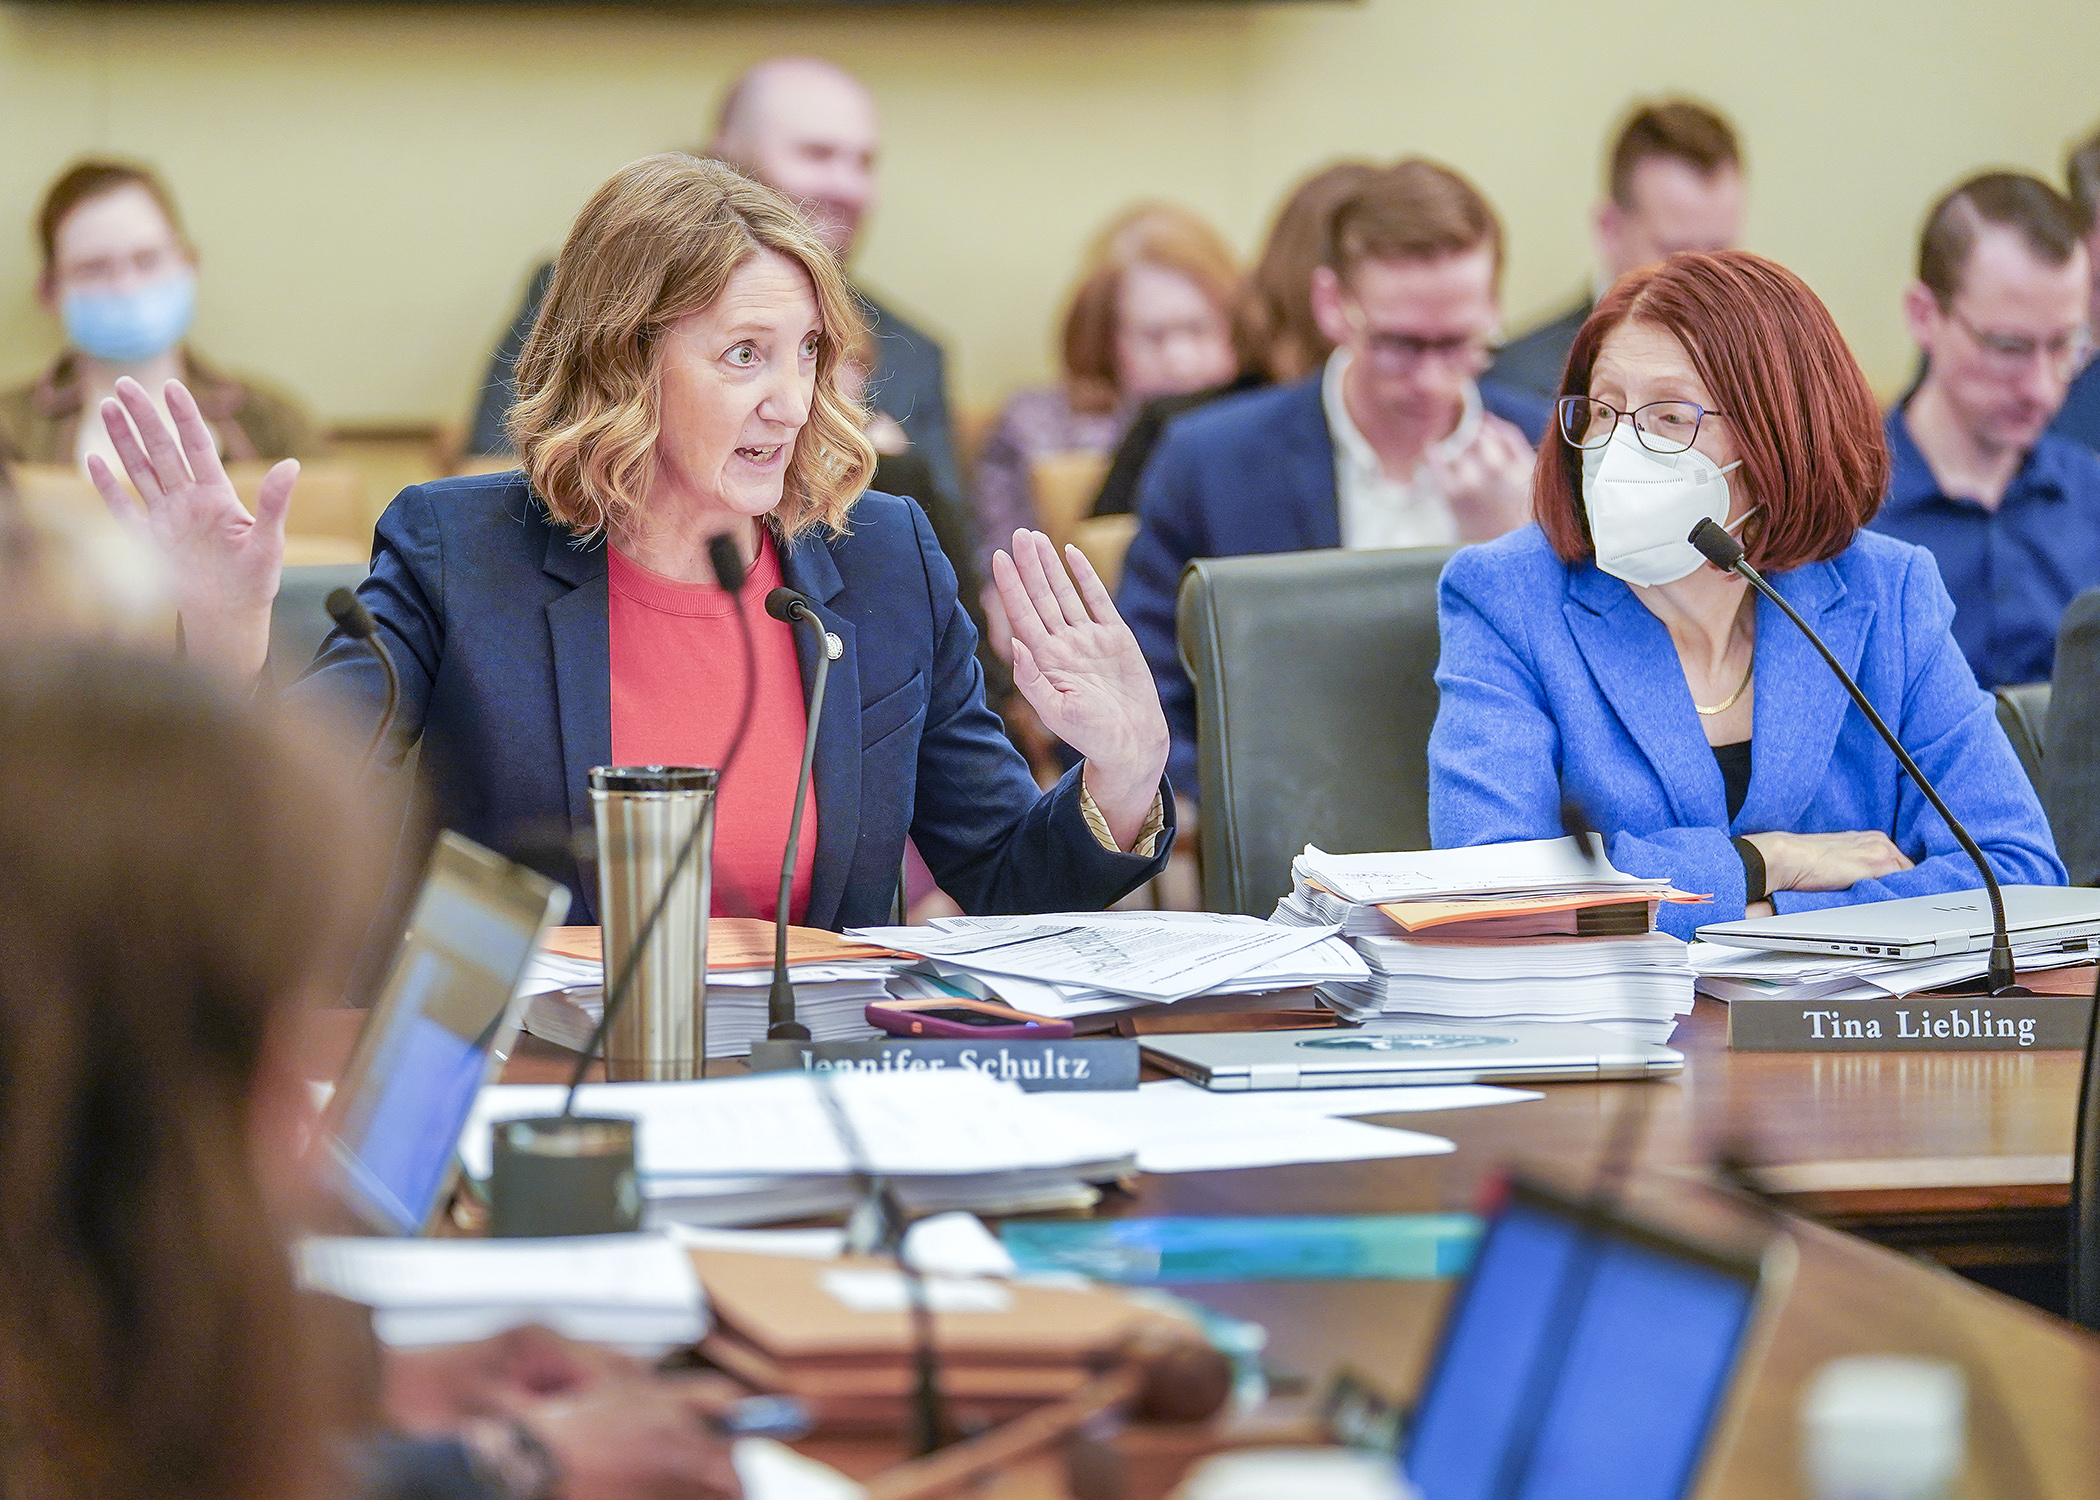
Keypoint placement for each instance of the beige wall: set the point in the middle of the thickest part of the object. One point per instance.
(371, 185)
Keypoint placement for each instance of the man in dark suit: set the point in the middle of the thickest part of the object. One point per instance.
(1391, 444)
(807, 130)
(1676, 184)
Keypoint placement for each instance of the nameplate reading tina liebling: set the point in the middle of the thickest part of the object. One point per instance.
(1083, 1063)
(1919, 1023)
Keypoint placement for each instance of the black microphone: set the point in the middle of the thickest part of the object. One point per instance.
(1726, 553)
(792, 608)
(354, 620)
(728, 565)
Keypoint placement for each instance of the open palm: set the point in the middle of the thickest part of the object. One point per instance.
(1077, 663)
(223, 564)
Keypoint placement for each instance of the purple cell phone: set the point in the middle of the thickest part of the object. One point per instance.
(963, 1018)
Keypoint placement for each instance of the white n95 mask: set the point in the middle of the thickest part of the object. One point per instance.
(1643, 505)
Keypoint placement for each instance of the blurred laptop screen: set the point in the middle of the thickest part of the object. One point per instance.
(442, 1021)
(1579, 1362)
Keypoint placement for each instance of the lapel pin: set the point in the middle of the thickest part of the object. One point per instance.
(834, 648)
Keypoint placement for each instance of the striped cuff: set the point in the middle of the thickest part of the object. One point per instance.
(1097, 825)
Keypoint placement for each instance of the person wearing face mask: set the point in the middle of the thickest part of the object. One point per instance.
(121, 277)
(1595, 655)
(567, 615)
(807, 129)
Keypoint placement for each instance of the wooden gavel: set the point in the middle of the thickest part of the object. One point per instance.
(1153, 1376)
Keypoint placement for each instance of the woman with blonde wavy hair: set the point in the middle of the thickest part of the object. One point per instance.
(682, 383)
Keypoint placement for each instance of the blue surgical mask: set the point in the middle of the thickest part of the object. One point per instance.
(128, 328)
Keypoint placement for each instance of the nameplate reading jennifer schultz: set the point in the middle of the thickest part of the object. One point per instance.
(1927, 1023)
(1084, 1063)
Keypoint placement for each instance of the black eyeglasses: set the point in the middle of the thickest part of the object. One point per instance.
(1661, 426)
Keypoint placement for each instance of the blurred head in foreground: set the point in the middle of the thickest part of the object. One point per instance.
(179, 886)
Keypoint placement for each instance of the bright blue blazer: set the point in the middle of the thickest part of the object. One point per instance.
(1249, 474)
(1556, 677)
(496, 619)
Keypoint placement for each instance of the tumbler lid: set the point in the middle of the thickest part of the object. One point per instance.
(568, 1135)
(654, 778)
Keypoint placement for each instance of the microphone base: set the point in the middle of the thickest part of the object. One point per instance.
(2012, 992)
(788, 1031)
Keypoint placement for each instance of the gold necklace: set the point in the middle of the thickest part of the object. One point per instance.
(1729, 702)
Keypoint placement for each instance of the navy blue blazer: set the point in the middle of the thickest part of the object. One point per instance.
(1249, 474)
(1554, 677)
(496, 619)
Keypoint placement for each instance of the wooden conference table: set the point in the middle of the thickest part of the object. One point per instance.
(1964, 1155)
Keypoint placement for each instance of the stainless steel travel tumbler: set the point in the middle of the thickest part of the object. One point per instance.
(644, 814)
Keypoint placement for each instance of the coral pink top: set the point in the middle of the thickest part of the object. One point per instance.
(677, 690)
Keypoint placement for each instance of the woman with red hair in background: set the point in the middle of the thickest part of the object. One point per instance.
(1597, 655)
(1152, 316)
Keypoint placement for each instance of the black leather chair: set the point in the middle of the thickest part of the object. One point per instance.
(299, 621)
(2023, 713)
(1315, 678)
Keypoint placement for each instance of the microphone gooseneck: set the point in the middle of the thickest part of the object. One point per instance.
(880, 1203)
(727, 562)
(782, 1024)
(354, 620)
(1726, 553)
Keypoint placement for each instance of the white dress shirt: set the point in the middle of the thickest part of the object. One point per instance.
(1376, 509)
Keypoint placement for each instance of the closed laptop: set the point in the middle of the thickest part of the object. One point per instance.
(1945, 925)
(1386, 1053)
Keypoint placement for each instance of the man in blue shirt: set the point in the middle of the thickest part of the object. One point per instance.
(2080, 417)
(2010, 510)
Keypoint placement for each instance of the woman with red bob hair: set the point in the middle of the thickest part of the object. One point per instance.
(1596, 655)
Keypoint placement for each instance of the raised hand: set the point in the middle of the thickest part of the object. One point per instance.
(223, 564)
(1488, 483)
(1080, 668)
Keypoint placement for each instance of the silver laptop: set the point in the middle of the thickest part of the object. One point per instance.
(442, 1026)
(2037, 916)
(1385, 1053)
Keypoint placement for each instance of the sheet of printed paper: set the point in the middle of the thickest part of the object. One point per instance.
(1530, 867)
(1198, 1131)
(945, 1121)
(1159, 959)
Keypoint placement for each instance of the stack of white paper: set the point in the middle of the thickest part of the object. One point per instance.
(1636, 985)
(1536, 867)
(1728, 973)
(1092, 962)
(634, 1290)
(567, 996)
(763, 1149)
